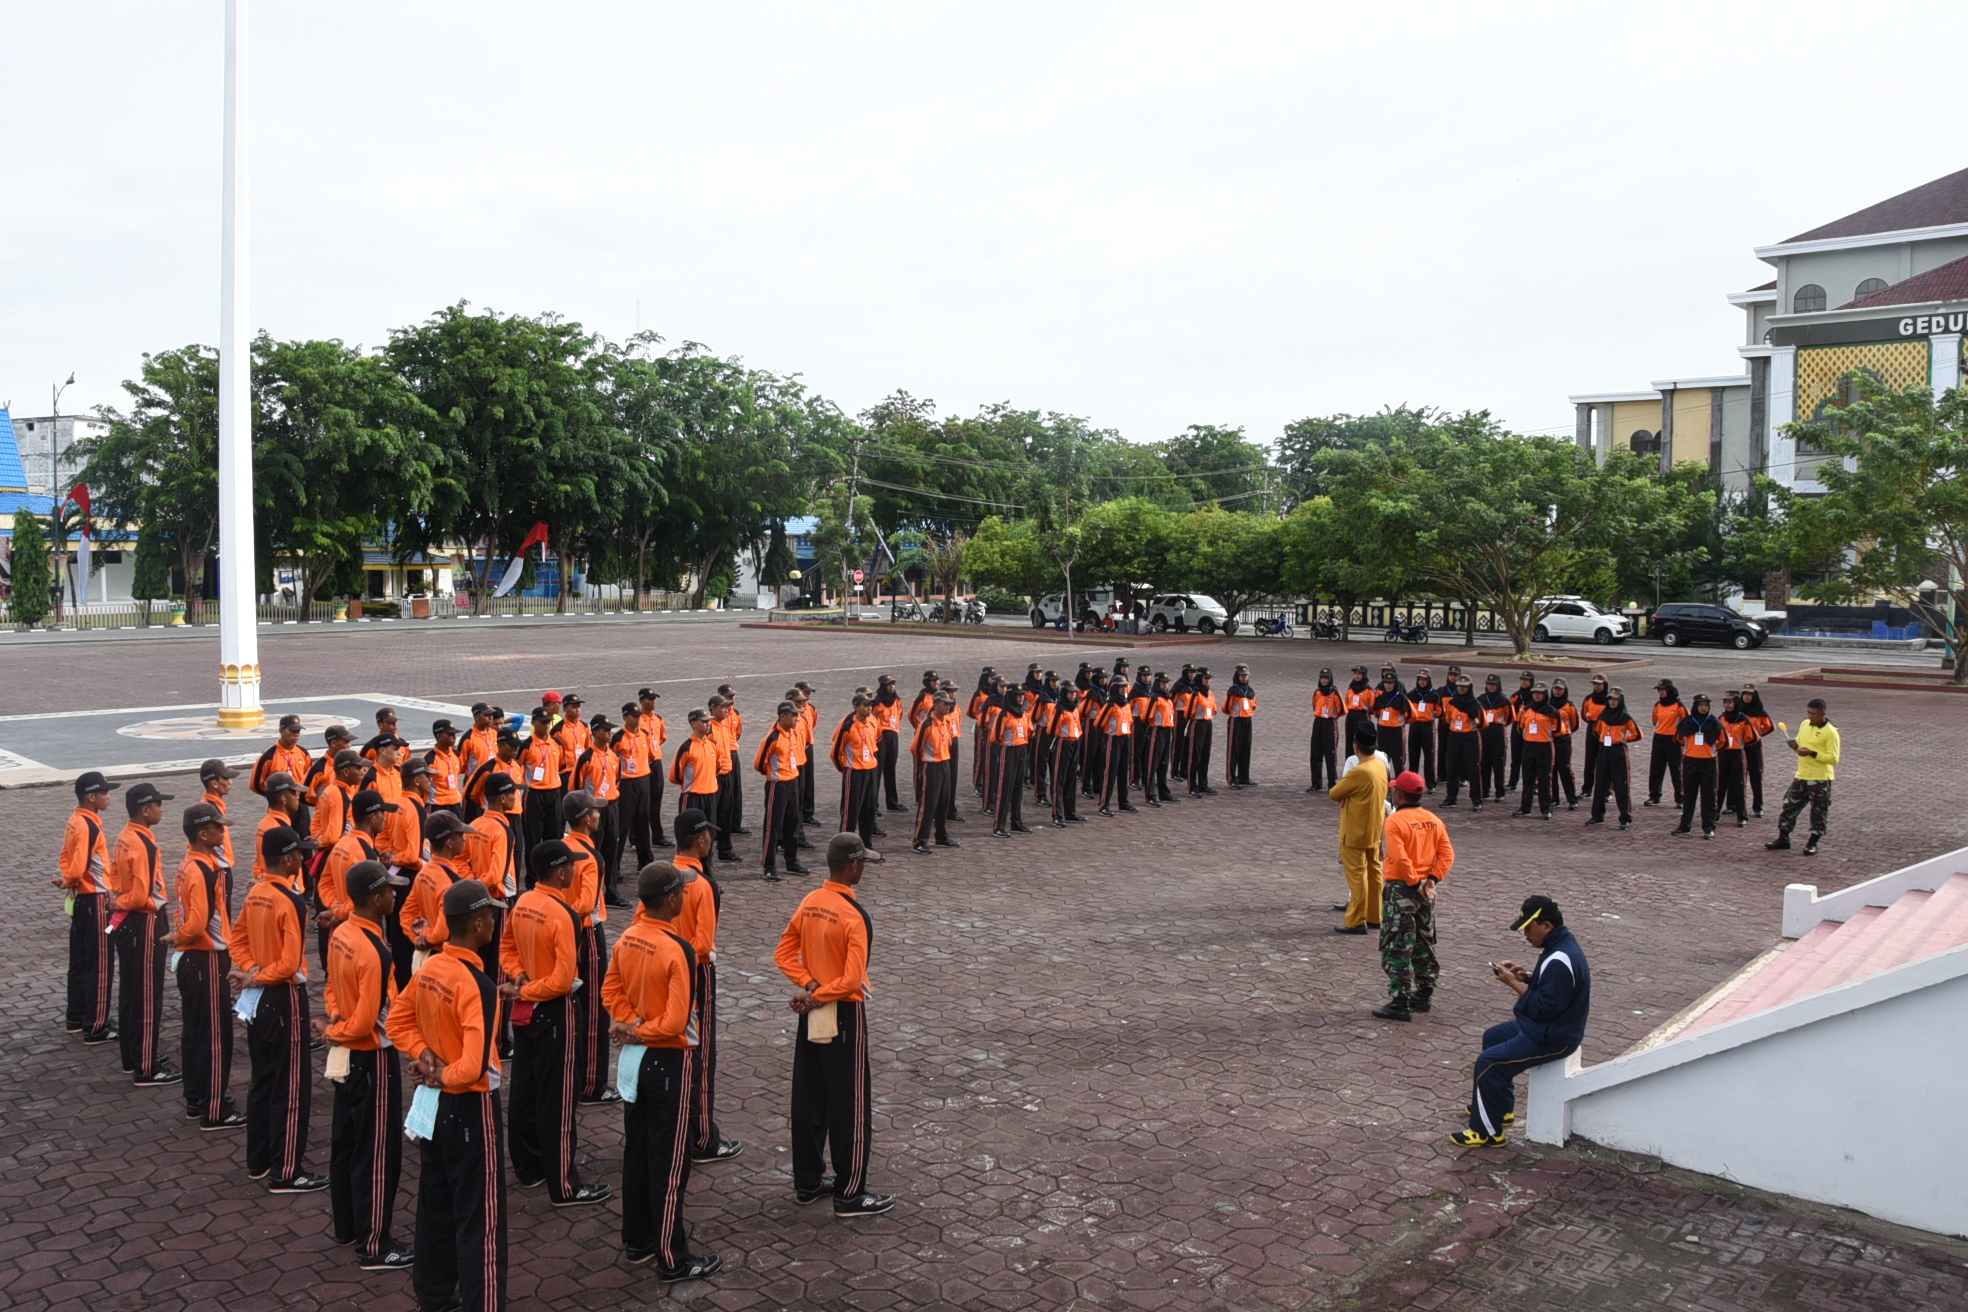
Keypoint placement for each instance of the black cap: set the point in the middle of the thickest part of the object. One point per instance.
(630, 708)
(390, 740)
(545, 856)
(369, 802)
(690, 822)
(508, 736)
(414, 767)
(577, 804)
(337, 731)
(279, 782)
(92, 781)
(698, 715)
(650, 693)
(498, 784)
(348, 756)
(1537, 907)
(200, 814)
(467, 896)
(656, 881)
(442, 726)
(291, 722)
(442, 825)
(481, 708)
(365, 877)
(278, 841)
(143, 795)
(572, 699)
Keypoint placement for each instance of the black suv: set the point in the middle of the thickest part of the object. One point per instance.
(1678, 622)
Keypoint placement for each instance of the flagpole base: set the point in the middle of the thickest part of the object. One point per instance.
(239, 697)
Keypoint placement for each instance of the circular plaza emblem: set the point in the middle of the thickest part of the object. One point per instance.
(205, 728)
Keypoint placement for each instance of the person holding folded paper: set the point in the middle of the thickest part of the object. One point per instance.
(270, 969)
(365, 1136)
(540, 955)
(446, 1022)
(824, 952)
(649, 994)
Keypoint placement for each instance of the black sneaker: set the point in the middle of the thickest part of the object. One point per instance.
(948, 842)
(638, 1256)
(602, 1099)
(1397, 1009)
(586, 1196)
(1781, 843)
(701, 1267)
(300, 1184)
(816, 1193)
(725, 1150)
(1344, 929)
(1708, 833)
(530, 1184)
(614, 901)
(742, 832)
(1680, 831)
(1626, 824)
(92, 1040)
(795, 868)
(1129, 807)
(922, 849)
(863, 1204)
(772, 877)
(1597, 820)
(1076, 819)
(162, 1075)
(1651, 801)
(232, 1120)
(390, 1259)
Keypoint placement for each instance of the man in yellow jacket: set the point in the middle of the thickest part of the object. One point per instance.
(1362, 797)
(1816, 745)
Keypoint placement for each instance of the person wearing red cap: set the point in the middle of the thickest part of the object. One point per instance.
(1419, 856)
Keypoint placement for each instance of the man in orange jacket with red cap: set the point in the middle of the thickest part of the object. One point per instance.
(1419, 856)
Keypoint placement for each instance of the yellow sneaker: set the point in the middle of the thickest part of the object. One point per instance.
(1477, 1139)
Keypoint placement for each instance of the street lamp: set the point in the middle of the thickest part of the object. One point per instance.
(54, 433)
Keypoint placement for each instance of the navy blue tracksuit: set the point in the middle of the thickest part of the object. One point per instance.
(1549, 1025)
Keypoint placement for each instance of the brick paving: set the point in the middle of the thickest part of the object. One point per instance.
(1125, 1065)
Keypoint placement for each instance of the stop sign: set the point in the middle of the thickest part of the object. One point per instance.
(857, 576)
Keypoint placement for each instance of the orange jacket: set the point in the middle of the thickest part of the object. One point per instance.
(271, 820)
(724, 734)
(1459, 721)
(84, 860)
(587, 891)
(1239, 708)
(453, 1011)
(1161, 712)
(827, 941)
(361, 985)
(933, 738)
(136, 870)
(656, 733)
(540, 763)
(1418, 846)
(1738, 734)
(275, 759)
(447, 776)
(778, 755)
(1421, 705)
(856, 744)
(540, 943)
(599, 773)
(1667, 719)
(649, 984)
(1537, 726)
(1202, 706)
(204, 905)
(1014, 730)
(1698, 736)
(403, 844)
(695, 769)
(425, 901)
(333, 889)
(331, 813)
(632, 751)
(478, 747)
(272, 932)
(1614, 735)
(1361, 700)
(1568, 720)
(572, 738)
(698, 921)
(1066, 724)
(921, 707)
(1327, 704)
(490, 857)
(888, 715)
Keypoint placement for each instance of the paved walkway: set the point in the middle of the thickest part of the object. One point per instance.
(1125, 1065)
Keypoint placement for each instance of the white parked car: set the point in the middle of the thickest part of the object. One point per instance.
(1183, 611)
(1046, 613)
(1575, 617)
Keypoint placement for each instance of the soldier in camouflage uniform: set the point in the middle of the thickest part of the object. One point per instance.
(1419, 856)
(1817, 747)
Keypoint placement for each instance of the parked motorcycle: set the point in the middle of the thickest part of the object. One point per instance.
(1398, 632)
(1325, 631)
(1275, 627)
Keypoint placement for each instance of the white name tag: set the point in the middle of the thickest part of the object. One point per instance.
(1698, 740)
(539, 773)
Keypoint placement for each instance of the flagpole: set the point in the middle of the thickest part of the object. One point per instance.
(239, 639)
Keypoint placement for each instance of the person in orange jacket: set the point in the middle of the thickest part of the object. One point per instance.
(1699, 734)
(635, 768)
(1615, 730)
(694, 768)
(370, 815)
(140, 924)
(1161, 728)
(539, 761)
(778, 759)
(447, 769)
(1202, 723)
(84, 873)
(657, 734)
(856, 754)
(269, 965)
(933, 749)
(583, 821)
(1561, 756)
(365, 1134)
(1537, 733)
(735, 732)
(598, 774)
(1328, 712)
(824, 952)
(1239, 710)
(1419, 857)
(724, 734)
(286, 755)
(1739, 733)
(446, 1023)
(1759, 719)
(204, 898)
(1665, 758)
(809, 777)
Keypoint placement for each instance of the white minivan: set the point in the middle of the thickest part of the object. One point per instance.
(1575, 617)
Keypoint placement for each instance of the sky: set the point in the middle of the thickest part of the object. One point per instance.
(1146, 215)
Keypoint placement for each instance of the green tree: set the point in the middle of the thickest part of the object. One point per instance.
(1217, 464)
(1896, 519)
(1305, 446)
(1129, 545)
(1236, 557)
(1325, 556)
(31, 576)
(1008, 554)
(843, 534)
(151, 579)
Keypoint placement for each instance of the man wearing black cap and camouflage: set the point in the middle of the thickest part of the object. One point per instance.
(84, 867)
(1554, 1000)
(270, 970)
(140, 926)
(824, 952)
(365, 1136)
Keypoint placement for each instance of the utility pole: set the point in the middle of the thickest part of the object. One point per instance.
(847, 529)
(239, 638)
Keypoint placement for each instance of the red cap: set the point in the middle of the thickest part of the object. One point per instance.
(1410, 782)
(549, 696)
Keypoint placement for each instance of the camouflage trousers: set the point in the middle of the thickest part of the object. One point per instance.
(1407, 940)
(1815, 793)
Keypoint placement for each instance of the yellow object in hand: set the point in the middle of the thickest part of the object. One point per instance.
(1782, 727)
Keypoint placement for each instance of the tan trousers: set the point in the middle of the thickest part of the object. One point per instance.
(1362, 884)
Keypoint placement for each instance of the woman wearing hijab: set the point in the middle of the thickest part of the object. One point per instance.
(1738, 732)
(1665, 758)
(1239, 710)
(1752, 706)
(1462, 762)
(1589, 708)
(1561, 746)
(1615, 730)
(1359, 698)
(1390, 720)
(1496, 719)
(1327, 711)
(1422, 711)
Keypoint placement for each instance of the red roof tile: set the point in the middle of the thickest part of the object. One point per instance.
(1944, 200)
(1948, 282)
(1769, 286)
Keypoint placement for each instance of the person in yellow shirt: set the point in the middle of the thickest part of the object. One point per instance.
(1362, 796)
(1816, 745)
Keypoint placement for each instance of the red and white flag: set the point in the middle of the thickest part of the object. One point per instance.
(79, 494)
(538, 534)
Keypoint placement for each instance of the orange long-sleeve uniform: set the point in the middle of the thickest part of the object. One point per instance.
(1418, 846)
(1667, 719)
(1067, 724)
(649, 984)
(136, 870)
(1568, 720)
(361, 985)
(921, 707)
(1612, 735)
(478, 747)
(724, 733)
(1016, 730)
(447, 777)
(225, 845)
(1236, 706)
(333, 816)
(1393, 714)
(933, 738)
(631, 752)
(1422, 703)
(587, 888)
(827, 941)
(1202, 705)
(539, 763)
(1327, 704)
(695, 769)
(698, 921)
(857, 744)
(540, 942)
(333, 888)
(490, 853)
(809, 726)
(1361, 700)
(84, 861)
(320, 774)
(272, 931)
(277, 759)
(888, 716)
(1537, 726)
(778, 755)
(271, 820)
(403, 844)
(475, 781)
(573, 739)
(451, 1009)
(1460, 721)
(425, 901)
(656, 733)
(600, 774)
(204, 897)
(1738, 734)
(1698, 736)
(1161, 711)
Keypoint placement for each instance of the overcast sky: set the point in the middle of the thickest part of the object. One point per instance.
(1150, 216)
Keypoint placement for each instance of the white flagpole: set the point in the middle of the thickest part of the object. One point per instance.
(239, 639)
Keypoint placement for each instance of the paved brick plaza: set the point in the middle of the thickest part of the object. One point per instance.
(1121, 1066)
